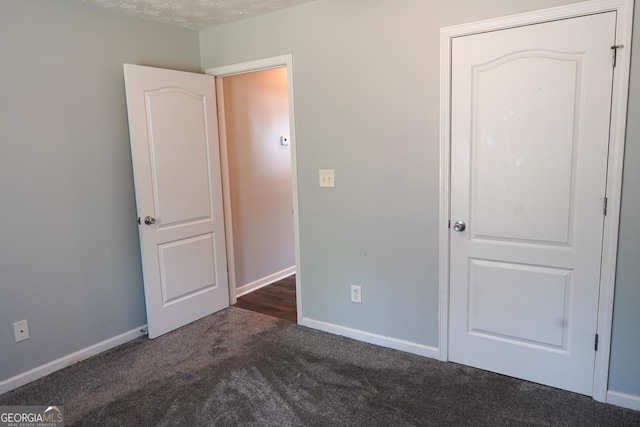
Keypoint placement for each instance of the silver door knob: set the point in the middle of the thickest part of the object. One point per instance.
(149, 220)
(459, 226)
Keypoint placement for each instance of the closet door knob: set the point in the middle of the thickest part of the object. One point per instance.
(459, 226)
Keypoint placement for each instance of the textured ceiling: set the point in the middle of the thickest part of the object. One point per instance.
(195, 14)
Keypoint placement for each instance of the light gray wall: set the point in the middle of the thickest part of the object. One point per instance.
(256, 116)
(366, 82)
(69, 254)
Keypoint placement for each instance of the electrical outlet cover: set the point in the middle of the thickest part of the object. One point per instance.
(356, 294)
(21, 330)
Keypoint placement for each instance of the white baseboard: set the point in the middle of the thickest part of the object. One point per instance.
(625, 400)
(69, 359)
(368, 337)
(265, 281)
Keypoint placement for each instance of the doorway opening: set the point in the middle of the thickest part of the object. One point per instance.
(257, 144)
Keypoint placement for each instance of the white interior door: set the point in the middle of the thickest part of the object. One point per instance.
(176, 161)
(530, 127)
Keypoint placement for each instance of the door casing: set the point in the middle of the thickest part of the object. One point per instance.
(624, 9)
(284, 61)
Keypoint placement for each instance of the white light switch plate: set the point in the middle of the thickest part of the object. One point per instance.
(327, 178)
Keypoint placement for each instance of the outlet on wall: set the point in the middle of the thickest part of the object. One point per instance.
(21, 330)
(356, 294)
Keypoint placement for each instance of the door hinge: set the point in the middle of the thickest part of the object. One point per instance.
(614, 53)
(596, 344)
(604, 206)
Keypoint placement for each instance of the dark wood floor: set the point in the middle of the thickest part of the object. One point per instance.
(277, 299)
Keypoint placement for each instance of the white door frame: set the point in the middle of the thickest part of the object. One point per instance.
(624, 9)
(243, 68)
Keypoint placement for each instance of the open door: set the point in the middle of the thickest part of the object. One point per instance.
(176, 165)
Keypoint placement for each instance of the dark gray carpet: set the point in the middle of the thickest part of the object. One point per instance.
(240, 368)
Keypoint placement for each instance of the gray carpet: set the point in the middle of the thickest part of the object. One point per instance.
(240, 368)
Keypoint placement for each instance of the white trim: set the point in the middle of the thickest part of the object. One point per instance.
(445, 185)
(614, 194)
(265, 281)
(69, 359)
(368, 337)
(625, 400)
(624, 9)
(250, 66)
(539, 16)
(266, 64)
(226, 193)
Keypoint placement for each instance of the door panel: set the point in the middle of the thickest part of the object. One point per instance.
(186, 267)
(522, 168)
(176, 159)
(530, 128)
(533, 302)
(180, 177)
